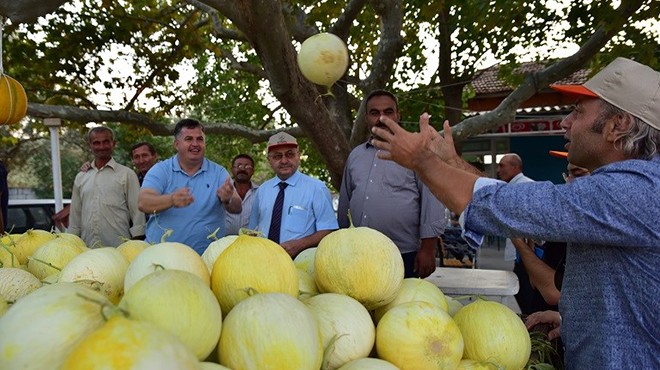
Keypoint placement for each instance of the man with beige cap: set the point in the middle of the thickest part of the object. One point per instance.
(291, 209)
(611, 290)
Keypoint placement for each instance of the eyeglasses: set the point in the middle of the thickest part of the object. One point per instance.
(243, 166)
(278, 156)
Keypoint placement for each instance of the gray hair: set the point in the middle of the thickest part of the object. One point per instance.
(98, 130)
(640, 141)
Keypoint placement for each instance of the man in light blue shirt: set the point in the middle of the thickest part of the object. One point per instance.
(611, 288)
(187, 193)
(306, 213)
(509, 169)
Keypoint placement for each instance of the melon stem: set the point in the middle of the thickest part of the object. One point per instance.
(214, 235)
(45, 263)
(108, 310)
(350, 219)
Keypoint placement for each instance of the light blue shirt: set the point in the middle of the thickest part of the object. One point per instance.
(307, 207)
(611, 288)
(520, 178)
(191, 225)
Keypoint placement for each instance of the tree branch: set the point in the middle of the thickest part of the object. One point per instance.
(169, 60)
(297, 22)
(389, 46)
(214, 19)
(240, 66)
(27, 11)
(537, 81)
(389, 49)
(156, 128)
(230, 10)
(345, 21)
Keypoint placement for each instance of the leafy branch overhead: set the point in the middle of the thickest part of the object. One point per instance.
(232, 63)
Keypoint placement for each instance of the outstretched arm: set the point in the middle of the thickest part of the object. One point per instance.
(425, 152)
(541, 275)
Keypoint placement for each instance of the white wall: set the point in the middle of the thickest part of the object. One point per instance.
(21, 193)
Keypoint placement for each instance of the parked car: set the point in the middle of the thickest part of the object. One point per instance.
(25, 214)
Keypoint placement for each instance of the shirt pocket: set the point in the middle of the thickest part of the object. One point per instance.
(297, 219)
(398, 179)
(114, 193)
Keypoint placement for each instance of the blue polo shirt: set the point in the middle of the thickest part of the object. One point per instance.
(307, 207)
(192, 224)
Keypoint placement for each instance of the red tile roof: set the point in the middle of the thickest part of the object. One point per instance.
(487, 82)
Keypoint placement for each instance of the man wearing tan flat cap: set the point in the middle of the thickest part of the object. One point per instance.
(611, 289)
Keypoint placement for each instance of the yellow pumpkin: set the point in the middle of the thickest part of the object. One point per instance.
(13, 101)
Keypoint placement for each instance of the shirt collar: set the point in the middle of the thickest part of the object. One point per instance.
(292, 181)
(253, 185)
(516, 177)
(111, 163)
(177, 166)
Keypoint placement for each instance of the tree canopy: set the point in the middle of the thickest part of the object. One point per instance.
(144, 64)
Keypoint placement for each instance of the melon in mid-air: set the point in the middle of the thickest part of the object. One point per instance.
(323, 59)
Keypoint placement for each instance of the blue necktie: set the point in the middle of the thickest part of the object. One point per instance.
(276, 218)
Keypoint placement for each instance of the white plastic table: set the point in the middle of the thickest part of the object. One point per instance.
(495, 285)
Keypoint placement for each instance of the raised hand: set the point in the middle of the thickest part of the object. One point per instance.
(182, 197)
(408, 149)
(226, 191)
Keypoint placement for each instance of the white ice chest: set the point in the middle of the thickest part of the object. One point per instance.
(494, 285)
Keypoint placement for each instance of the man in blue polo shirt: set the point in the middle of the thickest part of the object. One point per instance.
(187, 193)
(305, 214)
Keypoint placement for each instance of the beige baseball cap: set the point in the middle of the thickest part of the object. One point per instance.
(626, 84)
(281, 139)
